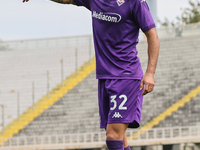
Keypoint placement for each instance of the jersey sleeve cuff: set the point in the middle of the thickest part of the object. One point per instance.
(148, 27)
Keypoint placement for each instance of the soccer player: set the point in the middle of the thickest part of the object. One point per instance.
(121, 83)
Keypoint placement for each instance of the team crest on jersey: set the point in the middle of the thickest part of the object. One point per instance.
(120, 2)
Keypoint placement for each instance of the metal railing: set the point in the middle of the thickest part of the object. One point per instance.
(45, 43)
(178, 31)
(166, 32)
(155, 136)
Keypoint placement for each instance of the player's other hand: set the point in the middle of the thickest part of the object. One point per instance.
(147, 83)
(25, 1)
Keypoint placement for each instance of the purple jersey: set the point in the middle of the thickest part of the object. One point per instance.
(116, 25)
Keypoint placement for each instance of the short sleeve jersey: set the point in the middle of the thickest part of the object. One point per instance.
(116, 25)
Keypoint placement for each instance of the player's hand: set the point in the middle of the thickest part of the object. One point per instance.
(147, 83)
(25, 1)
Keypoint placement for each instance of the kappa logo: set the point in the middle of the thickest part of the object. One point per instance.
(143, 1)
(117, 115)
(120, 2)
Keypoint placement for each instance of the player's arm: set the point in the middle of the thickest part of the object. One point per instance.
(58, 1)
(153, 52)
(63, 1)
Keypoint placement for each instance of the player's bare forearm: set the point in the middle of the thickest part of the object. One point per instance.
(63, 1)
(59, 1)
(153, 52)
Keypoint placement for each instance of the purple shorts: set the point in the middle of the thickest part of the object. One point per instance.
(120, 101)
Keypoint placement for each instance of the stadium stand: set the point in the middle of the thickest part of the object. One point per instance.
(29, 62)
(177, 74)
(77, 110)
(185, 116)
(174, 102)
